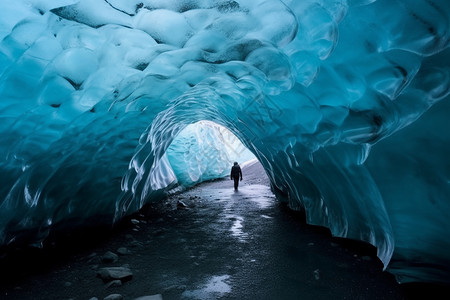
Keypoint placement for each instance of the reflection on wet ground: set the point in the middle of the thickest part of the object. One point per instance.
(216, 287)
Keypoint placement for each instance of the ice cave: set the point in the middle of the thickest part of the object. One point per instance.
(105, 105)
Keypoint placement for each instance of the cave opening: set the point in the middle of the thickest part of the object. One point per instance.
(205, 151)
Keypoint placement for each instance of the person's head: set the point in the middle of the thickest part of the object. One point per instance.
(235, 163)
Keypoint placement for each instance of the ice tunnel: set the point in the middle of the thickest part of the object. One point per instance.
(344, 102)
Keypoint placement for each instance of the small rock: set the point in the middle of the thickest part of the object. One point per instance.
(93, 298)
(311, 244)
(114, 283)
(67, 284)
(110, 257)
(366, 258)
(181, 205)
(113, 297)
(122, 251)
(113, 273)
(152, 297)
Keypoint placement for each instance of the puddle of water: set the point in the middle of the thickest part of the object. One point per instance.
(214, 288)
(236, 229)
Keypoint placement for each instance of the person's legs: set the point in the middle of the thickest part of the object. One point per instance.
(236, 182)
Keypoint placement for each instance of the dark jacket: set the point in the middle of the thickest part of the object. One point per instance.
(236, 172)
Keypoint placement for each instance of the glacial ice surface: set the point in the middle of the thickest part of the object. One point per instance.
(344, 102)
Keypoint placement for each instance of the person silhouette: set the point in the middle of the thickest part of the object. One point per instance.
(235, 174)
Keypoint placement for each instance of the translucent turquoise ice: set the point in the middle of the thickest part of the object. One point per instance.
(345, 103)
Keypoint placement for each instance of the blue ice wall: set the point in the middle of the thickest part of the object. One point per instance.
(345, 103)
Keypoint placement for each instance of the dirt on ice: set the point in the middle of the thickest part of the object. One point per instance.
(209, 242)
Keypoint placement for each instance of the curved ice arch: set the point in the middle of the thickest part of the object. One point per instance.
(343, 103)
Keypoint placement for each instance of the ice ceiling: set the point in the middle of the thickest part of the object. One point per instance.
(345, 103)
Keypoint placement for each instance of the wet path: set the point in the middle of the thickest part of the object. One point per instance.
(222, 245)
(246, 245)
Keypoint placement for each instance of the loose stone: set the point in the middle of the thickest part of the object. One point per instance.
(110, 257)
(114, 283)
(122, 251)
(121, 273)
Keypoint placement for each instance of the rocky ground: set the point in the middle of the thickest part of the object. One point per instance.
(210, 242)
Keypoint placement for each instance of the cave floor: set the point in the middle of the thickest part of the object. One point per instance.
(224, 244)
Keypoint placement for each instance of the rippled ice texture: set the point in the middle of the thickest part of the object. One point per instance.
(345, 103)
